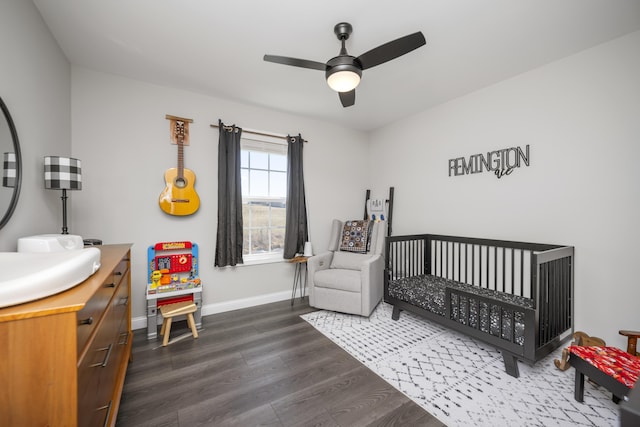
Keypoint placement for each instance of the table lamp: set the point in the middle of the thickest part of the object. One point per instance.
(62, 173)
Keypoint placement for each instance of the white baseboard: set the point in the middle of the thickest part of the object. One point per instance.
(221, 307)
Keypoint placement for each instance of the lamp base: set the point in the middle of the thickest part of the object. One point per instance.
(308, 251)
(64, 198)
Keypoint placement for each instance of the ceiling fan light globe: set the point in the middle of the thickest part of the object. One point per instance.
(343, 81)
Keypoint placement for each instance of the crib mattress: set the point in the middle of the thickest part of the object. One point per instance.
(428, 293)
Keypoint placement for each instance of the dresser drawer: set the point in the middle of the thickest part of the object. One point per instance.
(96, 373)
(121, 270)
(90, 315)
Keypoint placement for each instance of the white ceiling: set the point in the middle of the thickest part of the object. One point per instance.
(216, 47)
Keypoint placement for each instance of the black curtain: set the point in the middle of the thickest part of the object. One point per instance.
(229, 237)
(296, 232)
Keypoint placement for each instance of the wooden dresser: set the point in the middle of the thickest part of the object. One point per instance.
(63, 359)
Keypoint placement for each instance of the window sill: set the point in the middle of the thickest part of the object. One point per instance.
(258, 260)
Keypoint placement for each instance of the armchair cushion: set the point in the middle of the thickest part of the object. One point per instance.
(339, 280)
(348, 260)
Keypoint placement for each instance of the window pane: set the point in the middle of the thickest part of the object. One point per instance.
(278, 162)
(259, 160)
(259, 215)
(259, 183)
(244, 159)
(244, 179)
(246, 218)
(277, 239)
(245, 243)
(259, 240)
(278, 215)
(278, 184)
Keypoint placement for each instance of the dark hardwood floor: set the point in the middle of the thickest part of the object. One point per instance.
(257, 366)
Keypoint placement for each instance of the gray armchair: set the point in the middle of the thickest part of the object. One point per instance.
(348, 282)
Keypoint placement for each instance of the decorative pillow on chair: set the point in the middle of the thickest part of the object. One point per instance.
(355, 236)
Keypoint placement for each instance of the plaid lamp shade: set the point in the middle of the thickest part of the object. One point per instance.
(9, 170)
(62, 173)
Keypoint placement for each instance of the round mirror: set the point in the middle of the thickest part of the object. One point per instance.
(11, 165)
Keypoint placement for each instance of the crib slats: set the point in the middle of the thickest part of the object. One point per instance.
(459, 261)
(544, 313)
(473, 264)
(466, 263)
(441, 257)
(407, 261)
(513, 273)
(487, 268)
(554, 302)
(411, 258)
(484, 266)
(504, 270)
(480, 269)
(555, 314)
(496, 269)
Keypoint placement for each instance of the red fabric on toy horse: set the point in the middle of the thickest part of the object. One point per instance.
(612, 361)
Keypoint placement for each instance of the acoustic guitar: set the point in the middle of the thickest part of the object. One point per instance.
(179, 196)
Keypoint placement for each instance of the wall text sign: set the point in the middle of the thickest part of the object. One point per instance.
(500, 162)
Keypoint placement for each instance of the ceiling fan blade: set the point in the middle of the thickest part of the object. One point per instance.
(348, 98)
(391, 50)
(296, 62)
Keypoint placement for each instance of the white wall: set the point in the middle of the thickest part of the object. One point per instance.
(121, 135)
(35, 84)
(581, 118)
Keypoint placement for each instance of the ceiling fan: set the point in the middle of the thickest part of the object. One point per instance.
(343, 72)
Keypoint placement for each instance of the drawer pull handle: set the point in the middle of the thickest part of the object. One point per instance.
(86, 321)
(110, 285)
(118, 273)
(108, 408)
(126, 338)
(105, 361)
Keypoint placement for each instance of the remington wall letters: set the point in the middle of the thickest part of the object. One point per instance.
(500, 162)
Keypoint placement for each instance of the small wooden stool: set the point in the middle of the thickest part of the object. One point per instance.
(170, 310)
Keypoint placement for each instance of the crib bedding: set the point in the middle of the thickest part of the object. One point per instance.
(428, 292)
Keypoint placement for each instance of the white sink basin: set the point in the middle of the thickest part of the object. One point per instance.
(29, 276)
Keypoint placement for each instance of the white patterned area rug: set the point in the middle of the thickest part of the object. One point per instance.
(462, 381)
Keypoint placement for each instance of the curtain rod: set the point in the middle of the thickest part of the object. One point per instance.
(254, 132)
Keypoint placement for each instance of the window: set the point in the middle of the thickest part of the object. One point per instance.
(263, 167)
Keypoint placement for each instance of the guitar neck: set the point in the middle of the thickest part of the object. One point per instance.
(180, 157)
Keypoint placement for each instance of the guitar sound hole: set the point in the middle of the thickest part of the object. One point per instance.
(181, 182)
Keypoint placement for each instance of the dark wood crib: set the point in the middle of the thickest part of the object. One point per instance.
(515, 296)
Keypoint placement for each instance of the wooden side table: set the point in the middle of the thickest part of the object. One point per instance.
(300, 264)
